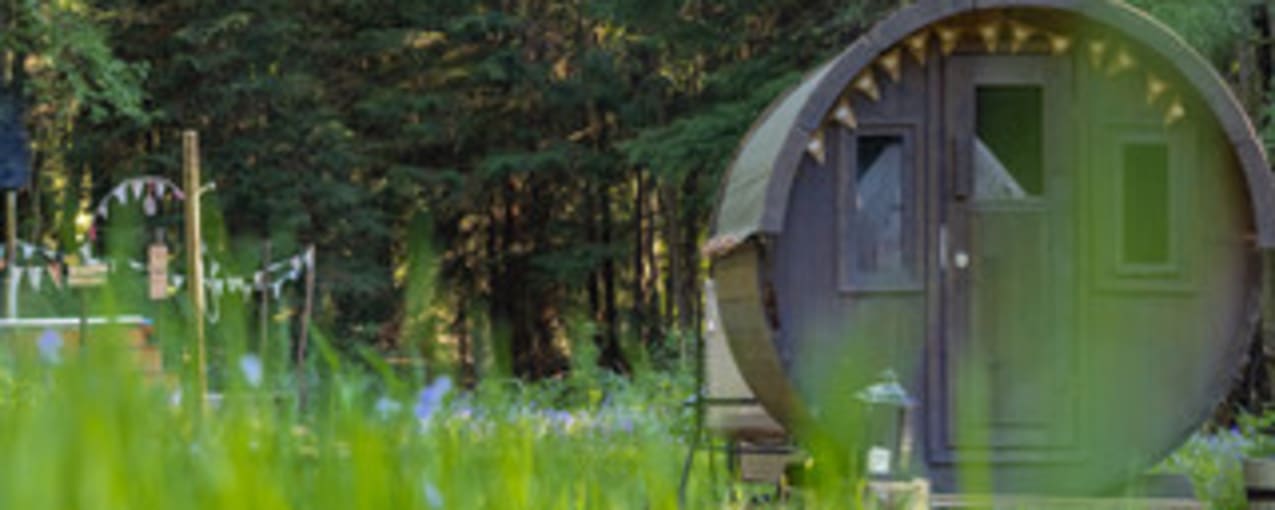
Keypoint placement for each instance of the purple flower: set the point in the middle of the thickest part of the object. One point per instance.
(431, 397)
(50, 345)
(561, 419)
(625, 423)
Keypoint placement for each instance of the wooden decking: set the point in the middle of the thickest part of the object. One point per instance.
(1043, 503)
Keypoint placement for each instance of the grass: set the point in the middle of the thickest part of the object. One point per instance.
(91, 431)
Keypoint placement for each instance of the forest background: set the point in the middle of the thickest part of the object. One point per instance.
(560, 156)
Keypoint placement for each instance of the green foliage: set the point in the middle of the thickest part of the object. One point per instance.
(1212, 28)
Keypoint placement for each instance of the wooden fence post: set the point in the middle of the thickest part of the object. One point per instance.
(194, 254)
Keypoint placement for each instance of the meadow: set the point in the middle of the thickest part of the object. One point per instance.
(85, 428)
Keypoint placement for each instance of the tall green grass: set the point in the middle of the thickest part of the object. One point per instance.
(91, 431)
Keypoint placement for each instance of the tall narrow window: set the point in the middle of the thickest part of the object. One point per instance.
(1145, 204)
(879, 215)
(1009, 149)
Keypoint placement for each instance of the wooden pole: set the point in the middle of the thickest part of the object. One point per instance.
(11, 252)
(306, 310)
(263, 310)
(194, 254)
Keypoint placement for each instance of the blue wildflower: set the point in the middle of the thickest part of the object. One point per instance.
(385, 407)
(250, 365)
(431, 397)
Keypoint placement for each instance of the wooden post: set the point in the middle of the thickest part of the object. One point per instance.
(306, 310)
(263, 311)
(11, 252)
(194, 254)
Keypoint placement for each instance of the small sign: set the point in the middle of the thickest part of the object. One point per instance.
(157, 270)
(91, 275)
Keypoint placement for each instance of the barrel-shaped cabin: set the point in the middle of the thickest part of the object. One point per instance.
(1045, 215)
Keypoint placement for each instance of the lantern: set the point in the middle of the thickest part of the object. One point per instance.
(888, 420)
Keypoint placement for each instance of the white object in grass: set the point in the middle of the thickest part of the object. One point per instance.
(878, 461)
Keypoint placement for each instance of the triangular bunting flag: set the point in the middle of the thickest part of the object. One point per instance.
(138, 186)
(814, 147)
(892, 63)
(36, 275)
(919, 45)
(54, 275)
(121, 194)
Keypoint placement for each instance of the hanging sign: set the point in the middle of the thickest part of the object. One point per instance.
(89, 275)
(15, 157)
(157, 270)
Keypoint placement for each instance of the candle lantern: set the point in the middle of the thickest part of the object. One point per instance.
(888, 426)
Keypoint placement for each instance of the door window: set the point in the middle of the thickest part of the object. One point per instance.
(1008, 149)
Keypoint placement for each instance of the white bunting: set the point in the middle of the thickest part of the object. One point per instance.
(103, 210)
(149, 206)
(138, 186)
(120, 194)
(277, 289)
(27, 250)
(297, 262)
(36, 275)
